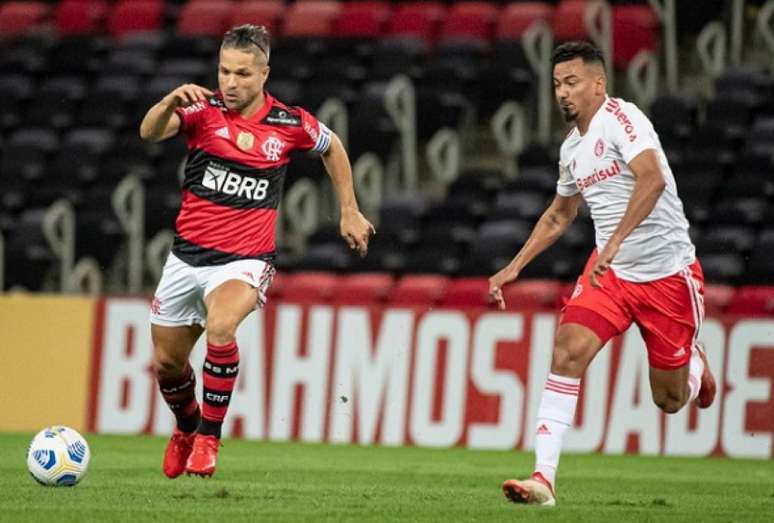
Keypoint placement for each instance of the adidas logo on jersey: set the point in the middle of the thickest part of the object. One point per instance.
(218, 178)
(223, 133)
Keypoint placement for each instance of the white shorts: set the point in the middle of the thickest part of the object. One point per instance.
(179, 298)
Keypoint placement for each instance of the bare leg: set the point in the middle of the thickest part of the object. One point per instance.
(227, 305)
(574, 349)
(669, 388)
(172, 347)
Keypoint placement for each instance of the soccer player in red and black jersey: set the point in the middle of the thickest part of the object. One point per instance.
(239, 139)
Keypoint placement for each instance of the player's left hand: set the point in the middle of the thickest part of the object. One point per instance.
(356, 231)
(603, 262)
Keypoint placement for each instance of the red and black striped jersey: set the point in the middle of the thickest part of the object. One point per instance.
(234, 174)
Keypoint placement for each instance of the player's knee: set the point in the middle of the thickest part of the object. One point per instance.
(569, 358)
(669, 401)
(220, 330)
(166, 366)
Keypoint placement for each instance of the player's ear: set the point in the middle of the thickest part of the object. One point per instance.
(600, 86)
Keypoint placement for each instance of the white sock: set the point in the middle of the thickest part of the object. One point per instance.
(695, 370)
(554, 417)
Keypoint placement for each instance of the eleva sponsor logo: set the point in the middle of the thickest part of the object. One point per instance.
(614, 107)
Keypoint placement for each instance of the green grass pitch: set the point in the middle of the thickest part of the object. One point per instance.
(258, 481)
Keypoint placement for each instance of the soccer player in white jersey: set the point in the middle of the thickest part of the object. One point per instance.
(643, 271)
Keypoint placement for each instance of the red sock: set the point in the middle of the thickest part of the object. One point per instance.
(179, 393)
(221, 367)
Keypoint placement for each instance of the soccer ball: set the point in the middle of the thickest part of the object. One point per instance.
(58, 456)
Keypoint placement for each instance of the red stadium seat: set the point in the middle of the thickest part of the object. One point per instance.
(259, 12)
(18, 18)
(753, 300)
(567, 22)
(717, 297)
(417, 19)
(467, 292)
(516, 18)
(309, 287)
(362, 19)
(425, 290)
(363, 289)
(532, 293)
(80, 16)
(311, 18)
(635, 28)
(129, 16)
(205, 18)
(470, 21)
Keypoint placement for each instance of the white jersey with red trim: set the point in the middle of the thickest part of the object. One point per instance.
(596, 165)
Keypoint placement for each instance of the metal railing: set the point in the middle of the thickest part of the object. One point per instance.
(128, 201)
(509, 126)
(538, 44)
(400, 104)
(58, 229)
(665, 10)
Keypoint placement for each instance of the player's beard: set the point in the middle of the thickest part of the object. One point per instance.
(568, 114)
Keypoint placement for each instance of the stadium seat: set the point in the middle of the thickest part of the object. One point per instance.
(519, 206)
(495, 245)
(760, 266)
(434, 258)
(131, 16)
(717, 297)
(635, 29)
(365, 19)
(722, 268)
(517, 17)
(364, 289)
(28, 257)
(730, 238)
(205, 18)
(311, 18)
(567, 21)
(420, 20)
(466, 292)
(470, 20)
(18, 18)
(80, 16)
(332, 256)
(419, 290)
(753, 301)
(267, 13)
(309, 287)
(674, 115)
(561, 261)
(536, 293)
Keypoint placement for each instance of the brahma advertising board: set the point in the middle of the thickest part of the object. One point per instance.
(438, 378)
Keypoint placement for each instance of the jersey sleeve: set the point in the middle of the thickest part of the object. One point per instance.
(191, 118)
(313, 136)
(565, 185)
(630, 131)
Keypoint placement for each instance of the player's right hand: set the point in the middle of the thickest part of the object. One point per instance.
(187, 94)
(496, 283)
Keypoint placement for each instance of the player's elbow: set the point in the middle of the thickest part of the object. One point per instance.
(657, 182)
(147, 136)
